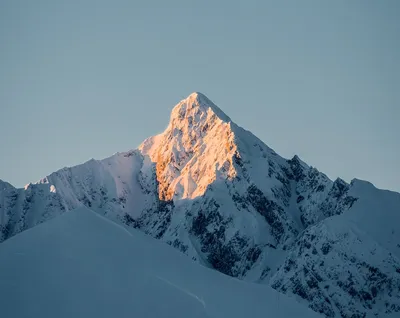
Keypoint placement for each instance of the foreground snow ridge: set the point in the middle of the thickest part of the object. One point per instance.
(82, 265)
(222, 197)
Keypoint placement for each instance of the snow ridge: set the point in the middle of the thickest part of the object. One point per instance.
(40, 269)
(218, 194)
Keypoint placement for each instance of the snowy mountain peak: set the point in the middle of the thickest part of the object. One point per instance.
(221, 196)
(197, 106)
(296, 159)
(197, 142)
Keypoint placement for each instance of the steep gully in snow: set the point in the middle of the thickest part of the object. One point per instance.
(222, 197)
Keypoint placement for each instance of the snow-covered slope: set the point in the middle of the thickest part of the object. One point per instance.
(123, 182)
(225, 199)
(338, 269)
(82, 265)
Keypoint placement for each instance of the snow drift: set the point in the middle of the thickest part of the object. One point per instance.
(82, 265)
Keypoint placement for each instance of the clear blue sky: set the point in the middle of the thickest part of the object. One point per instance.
(83, 79)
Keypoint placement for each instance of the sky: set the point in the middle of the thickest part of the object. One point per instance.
(89, 78)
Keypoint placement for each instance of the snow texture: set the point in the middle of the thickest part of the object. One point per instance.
(219, 195)
(82, 265)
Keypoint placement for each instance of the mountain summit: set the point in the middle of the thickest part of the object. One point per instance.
(197, 143)
(199, 104)
(218, 194)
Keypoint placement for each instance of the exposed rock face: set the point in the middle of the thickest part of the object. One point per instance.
(196, 144)
(339, 270)
(221, 196)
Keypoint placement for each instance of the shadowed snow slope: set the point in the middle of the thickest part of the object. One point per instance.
(222, 197)
(83, 265)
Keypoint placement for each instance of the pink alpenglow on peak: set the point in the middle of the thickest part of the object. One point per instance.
(222, 197)
(197, 142)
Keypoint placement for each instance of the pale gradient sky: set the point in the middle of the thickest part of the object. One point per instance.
(83, 79)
